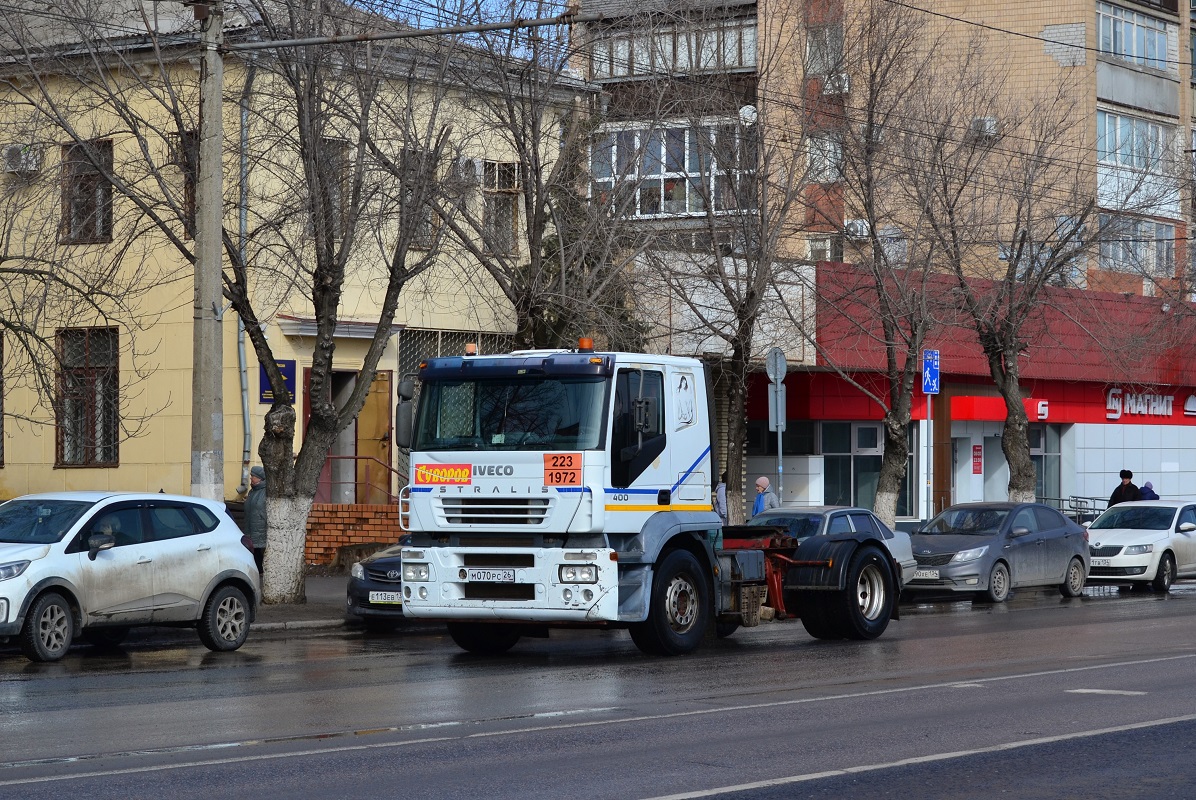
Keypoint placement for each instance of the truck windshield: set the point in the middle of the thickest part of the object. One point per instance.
(511, 414)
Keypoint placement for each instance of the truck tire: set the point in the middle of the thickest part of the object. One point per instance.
(811, 607)
(864, 610)
(485, 639)
(679, 610)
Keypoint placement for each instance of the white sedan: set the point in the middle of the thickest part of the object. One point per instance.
(1151, 542)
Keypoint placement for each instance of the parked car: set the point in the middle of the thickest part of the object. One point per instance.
(1144, 543)
(375, 590)
(992, 548)
(94, 564)
(804, 521)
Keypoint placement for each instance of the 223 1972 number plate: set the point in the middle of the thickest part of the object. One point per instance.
(562, 469)
(490, 575)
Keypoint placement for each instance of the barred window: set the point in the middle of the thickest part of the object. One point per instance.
(86, 192)
(501, 182)
(88, 397)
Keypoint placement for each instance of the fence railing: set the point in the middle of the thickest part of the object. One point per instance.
(1078, 507)
(359, 479)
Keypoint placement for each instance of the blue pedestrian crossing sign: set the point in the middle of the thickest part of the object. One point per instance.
(930, 372)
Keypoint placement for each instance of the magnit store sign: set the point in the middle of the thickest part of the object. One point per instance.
(1120, 404)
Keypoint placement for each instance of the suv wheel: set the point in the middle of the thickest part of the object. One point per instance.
(49, 628)
(225, 621)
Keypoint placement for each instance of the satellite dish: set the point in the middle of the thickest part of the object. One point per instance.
(748, 115)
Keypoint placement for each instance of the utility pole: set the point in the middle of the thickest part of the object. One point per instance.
(207, 369)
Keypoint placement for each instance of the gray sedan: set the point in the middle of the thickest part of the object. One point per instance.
(992, 548)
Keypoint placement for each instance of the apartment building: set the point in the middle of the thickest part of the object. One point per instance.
(1126, 130)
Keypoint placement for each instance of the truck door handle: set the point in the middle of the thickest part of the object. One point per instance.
(663, 497)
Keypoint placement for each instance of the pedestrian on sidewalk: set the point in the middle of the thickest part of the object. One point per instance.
(1126, 491)
(720, 498)
(255, 514)
(766, 498)
(1148, 492)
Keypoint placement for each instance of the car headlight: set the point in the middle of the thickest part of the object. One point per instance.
(1132, 550)
(416, 572)
(357, 571)
(579, 573)
(12, 569)
(970, 555)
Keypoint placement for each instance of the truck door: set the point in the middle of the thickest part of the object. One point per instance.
(638, 436)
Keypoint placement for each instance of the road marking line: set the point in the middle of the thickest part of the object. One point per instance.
(930, 759)
(1106, 691)
(514, 731)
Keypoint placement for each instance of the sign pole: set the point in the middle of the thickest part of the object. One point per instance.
(776, 366)
(930, 387)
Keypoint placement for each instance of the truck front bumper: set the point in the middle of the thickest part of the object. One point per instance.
(562, 585)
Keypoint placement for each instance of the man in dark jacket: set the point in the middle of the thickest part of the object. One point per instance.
(255, 514)
(1126, 492)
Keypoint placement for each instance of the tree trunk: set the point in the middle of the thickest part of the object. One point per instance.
(736, 438)
(892, 467)
(1015, 439)
(285, 567)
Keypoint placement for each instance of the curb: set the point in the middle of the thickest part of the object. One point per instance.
(298, 625)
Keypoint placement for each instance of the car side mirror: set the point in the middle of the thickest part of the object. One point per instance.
(97, 542)
(1187, 527)
(1020, 530)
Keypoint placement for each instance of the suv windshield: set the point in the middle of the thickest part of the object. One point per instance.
(511, 414)
(1143, 518)
(38, 521)
(967, 520)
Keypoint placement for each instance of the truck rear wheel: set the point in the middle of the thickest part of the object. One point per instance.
(679, 609)
(484, 638)
(862, 611)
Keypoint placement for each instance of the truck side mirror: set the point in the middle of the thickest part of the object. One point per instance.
(406, 389)
(403, 423)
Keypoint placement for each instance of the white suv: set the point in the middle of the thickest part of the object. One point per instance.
(98, 563)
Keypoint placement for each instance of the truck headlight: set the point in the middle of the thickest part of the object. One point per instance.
(416, 572)
(357, 571)
(970, 555)
(1132, 550)
(579, 573)
(12, 569)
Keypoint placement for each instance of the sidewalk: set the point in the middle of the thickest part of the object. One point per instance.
(325, 608)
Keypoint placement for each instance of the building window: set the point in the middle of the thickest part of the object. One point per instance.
(501, 182)
(1139, 246)
(185, 157)
(1046, 453)
(674, 50)
(674, 172)
(852, 453)
(1131, 36)
(419, 173)
(825, 248)
(88, 397)
(825, 159)
(86, 192)
(824, 50)
(335, 160)
(1131, 142)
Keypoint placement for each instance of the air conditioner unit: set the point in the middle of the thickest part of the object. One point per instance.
(468, 170)
(984, 127)
(836, 84)
(856, 228)
(22, 159)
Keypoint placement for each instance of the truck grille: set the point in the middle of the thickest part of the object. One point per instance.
(937, 560)
(494, 510)
(1106, 551)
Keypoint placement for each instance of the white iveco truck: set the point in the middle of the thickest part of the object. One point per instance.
(572, 488)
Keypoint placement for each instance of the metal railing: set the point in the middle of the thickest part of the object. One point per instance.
(1078, 507)
(359, 479)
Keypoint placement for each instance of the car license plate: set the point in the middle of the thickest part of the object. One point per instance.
(490, 575)
(926, 574)
(1101, 562)
(386, 597)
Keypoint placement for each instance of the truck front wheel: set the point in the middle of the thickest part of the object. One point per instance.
(679, 609)
(483, 638)
(864, 610)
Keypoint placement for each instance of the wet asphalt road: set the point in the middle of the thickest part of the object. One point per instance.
(1040, 697)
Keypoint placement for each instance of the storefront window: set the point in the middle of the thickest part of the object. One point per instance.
(1046, 453)
(852, 453)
